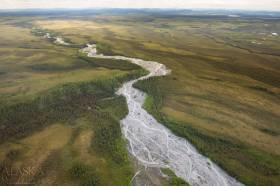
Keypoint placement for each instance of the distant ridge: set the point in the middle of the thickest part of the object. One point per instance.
(148, 11)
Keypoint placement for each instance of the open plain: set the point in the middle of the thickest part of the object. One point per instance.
(61, 116)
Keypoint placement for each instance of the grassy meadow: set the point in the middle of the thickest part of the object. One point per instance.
(222, 95)
(59, 114)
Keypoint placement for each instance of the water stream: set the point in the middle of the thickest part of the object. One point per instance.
(154, 145)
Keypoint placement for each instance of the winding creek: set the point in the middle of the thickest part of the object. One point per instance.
(154, 145)
(57, 40)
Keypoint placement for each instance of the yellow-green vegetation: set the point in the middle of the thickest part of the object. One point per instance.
(30, 65)
(70, 153)
(60, 116)
(223, 93)
(173, 179)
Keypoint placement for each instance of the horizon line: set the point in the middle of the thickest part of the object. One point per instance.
(144, 8)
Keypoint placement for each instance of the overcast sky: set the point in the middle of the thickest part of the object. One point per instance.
(217, 4)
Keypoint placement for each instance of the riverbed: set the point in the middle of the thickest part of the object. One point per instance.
(154, 145)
